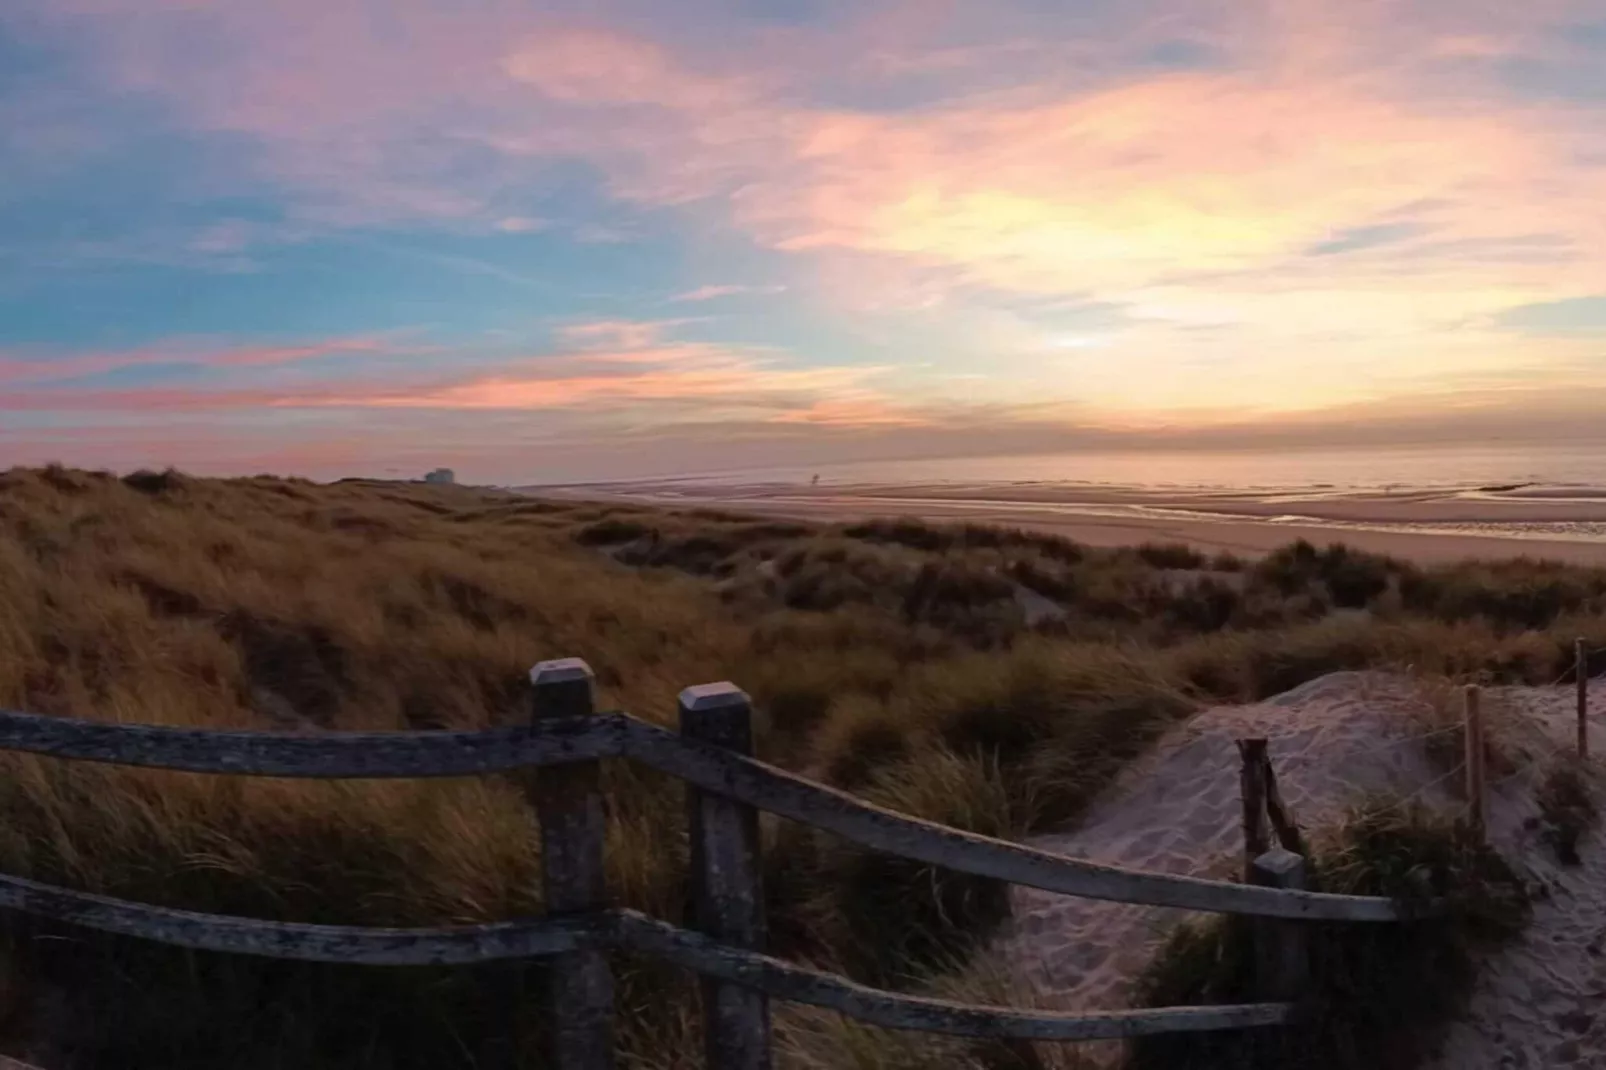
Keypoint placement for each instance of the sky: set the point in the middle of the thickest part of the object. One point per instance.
(556, 241)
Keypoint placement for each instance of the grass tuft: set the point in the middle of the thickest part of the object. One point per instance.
(1567, 809)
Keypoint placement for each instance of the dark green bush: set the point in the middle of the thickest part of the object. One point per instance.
(613, 530)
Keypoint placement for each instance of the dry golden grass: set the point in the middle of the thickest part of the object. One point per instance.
(888, 658)
(263, 602)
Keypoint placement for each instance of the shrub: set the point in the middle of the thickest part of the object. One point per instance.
(147, 482)
(1170, 555)
(1349, 579)
(915, 534)
(613, 530)
(1204, 605)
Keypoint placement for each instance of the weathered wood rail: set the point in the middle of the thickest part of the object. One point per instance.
(727, 786)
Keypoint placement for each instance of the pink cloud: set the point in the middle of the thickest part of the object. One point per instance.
(710, 293)
(614, 334)
(149, 400)
(624, 368)
(598, 66)
(79, 365)
(714, 381)
(851, 412)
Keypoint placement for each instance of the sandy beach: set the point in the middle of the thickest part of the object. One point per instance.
(1563, 523)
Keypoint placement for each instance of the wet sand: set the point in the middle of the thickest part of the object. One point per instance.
(1423, 524)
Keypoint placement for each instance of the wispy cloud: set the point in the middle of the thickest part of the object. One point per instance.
(603, 366)
(1576, 315)
(64, 368)
(1358, 239)
(712, 293)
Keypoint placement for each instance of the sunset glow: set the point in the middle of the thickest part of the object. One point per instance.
(554, 241)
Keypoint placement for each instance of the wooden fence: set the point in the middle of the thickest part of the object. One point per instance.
(727, 786)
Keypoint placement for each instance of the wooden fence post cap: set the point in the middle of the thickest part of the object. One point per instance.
(712, 697)
(1279, 861)
(561, 671)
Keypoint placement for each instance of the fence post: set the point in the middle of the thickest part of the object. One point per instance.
(1252, 789)
(1281, 946)
(1474, 757)
(1581, 671)
(726, 881)
(568, 801)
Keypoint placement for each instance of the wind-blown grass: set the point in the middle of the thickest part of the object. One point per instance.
(890, 658)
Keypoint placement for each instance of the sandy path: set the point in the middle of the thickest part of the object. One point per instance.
(1332, 741)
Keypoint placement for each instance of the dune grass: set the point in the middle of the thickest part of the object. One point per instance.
(261, 602)
(891, 658)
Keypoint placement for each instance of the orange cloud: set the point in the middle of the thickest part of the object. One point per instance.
(602, 367)
(625, 364)
(851, 412)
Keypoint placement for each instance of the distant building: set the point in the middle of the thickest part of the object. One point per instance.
(441, 475)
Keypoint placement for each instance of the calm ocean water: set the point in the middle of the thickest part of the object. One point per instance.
(1340, 469)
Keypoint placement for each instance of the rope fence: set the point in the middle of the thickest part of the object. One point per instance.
(1473, 767)
(1259, 780)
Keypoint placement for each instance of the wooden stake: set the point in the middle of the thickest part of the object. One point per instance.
(1581, 672)
(1282, 952)
(1474, 757)
(726, 881)
(1252, 787)
(1283, 824)
(568, 800)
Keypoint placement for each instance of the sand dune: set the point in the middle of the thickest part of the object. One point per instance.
(1332, 741)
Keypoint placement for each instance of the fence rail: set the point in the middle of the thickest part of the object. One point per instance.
(335, 756)
(727, 786)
